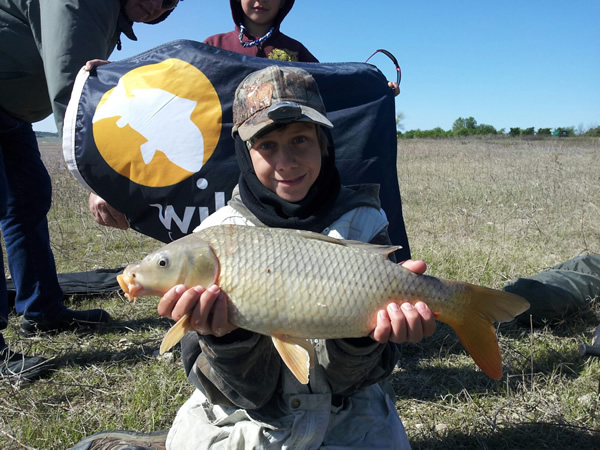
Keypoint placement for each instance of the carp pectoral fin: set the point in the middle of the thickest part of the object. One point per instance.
(175, 334)
(483, 307)
(297, 354)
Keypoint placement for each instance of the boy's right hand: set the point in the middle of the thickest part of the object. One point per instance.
(206, 308)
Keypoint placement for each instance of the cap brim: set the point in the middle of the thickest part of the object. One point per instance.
(261, 120)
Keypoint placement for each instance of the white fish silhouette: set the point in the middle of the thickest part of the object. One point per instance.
(163, 119)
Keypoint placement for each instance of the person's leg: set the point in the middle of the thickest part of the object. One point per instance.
(25, 226)
(28, 191)
(13, 365)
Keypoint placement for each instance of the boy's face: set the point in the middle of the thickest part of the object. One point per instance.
(287, 160)
(261, 12)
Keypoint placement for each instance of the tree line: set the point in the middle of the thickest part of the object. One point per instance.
(469, 127)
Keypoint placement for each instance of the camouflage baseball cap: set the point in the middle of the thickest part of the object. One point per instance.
(276, 94)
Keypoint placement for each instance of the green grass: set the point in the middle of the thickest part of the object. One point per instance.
(477, 210)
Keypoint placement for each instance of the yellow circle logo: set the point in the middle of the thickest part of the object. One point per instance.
(160, 124)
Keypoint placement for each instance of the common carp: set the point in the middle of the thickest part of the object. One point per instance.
(297, 285)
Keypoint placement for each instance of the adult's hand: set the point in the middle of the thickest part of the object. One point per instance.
(94, 63)
(105, 214)
(395, 87)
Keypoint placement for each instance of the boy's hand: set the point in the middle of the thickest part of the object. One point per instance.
(405, 322)
(207, 308)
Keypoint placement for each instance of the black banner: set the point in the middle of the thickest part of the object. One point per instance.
(152, 134)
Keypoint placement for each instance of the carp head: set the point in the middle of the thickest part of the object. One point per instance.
(188, 261)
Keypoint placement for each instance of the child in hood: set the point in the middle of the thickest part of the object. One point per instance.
(257, 32)
(245, 395)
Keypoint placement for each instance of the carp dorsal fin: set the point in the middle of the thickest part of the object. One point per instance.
(298, 355)
(175, 334)
(383, 250)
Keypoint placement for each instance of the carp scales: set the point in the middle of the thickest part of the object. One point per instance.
(297, 285)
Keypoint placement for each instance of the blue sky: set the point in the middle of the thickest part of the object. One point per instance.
(507, 64)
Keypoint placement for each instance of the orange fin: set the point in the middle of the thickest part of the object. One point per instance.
(483, 307)
(297, 354)
(175, 334)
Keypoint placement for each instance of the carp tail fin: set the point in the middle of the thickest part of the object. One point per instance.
(475, 329)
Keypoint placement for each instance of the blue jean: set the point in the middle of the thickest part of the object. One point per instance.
(25, 199)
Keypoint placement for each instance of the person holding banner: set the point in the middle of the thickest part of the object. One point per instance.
(257, 32)
(251, 19)
(43, 44)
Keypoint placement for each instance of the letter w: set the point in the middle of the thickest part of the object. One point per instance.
(170, 216)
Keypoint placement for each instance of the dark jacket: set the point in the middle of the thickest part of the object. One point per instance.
(278, 46)
(244, 369)
(44, 44)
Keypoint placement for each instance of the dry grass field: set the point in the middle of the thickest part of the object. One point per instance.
(477, 210)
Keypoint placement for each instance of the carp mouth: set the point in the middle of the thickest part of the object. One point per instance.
(129, 285)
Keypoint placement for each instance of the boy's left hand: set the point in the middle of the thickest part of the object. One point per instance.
(405, 322)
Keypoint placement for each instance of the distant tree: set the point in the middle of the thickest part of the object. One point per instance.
(469, 123)
(544, 132)
(466, 127)
(486, 130)
(46, 134)
(593, 132)
(439, 133)
(528, 131)
(458, 124)
(399, 118)
(462, 132)
(514, 132)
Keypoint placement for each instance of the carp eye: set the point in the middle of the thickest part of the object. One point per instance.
(163, 262)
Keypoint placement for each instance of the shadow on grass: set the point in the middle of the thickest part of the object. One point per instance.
(109, 348)
(91, 357)
(540, 435)
(126, 326)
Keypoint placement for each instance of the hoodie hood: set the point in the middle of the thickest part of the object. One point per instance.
(238, 14)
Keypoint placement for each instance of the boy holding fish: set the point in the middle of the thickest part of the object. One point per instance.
(244, 393)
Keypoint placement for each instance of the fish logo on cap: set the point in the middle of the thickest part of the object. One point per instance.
(160, 124)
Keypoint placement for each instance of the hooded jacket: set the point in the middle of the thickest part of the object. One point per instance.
(278, 46)
(44, 44)
(245, 394)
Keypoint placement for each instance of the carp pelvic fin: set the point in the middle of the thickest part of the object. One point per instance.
(297, 354)
(175, 334)
(483, 307)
